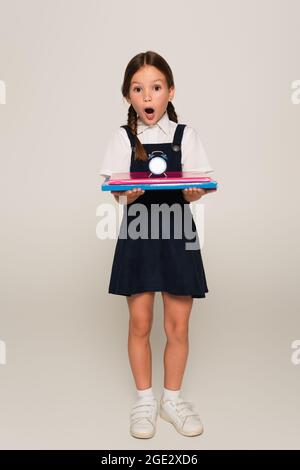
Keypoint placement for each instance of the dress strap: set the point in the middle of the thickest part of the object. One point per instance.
(176, 144)
(131, 137)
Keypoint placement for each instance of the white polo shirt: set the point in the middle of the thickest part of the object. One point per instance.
(117, 156)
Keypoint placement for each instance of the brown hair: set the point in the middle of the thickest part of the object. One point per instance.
(138, 61)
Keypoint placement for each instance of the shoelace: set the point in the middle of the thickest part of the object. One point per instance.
(143, 410)
(185, 408)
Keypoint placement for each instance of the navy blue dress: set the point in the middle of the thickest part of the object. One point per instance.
(163, 263)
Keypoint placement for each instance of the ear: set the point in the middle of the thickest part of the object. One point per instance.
(171, 92)
(128, 100)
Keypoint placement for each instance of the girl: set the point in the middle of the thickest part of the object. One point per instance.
(145, 265)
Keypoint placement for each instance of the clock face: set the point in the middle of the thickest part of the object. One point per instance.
(157, 165)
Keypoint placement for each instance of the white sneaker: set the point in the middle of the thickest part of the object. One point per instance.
(181, 414)
(143, 418)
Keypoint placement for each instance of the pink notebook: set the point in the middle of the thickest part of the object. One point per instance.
(171, 177)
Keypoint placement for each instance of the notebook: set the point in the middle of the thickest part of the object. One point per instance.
(167, 177)
(146, 180)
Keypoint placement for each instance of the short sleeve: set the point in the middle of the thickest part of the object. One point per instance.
(194, 157)
(116, 157)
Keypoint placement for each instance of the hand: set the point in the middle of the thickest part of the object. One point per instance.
(193, 194)
(131, 194)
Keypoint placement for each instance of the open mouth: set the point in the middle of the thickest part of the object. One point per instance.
(149, 112)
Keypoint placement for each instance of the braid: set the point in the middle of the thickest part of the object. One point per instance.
(132, 119)
(140, 153)
(171, 112)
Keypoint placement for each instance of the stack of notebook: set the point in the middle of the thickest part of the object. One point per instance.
(168, 180)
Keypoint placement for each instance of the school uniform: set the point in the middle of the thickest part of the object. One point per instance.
(160, 262)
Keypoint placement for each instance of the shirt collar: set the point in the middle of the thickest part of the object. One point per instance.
(163, 124)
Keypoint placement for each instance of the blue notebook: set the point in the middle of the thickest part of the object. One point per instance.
(169, 180)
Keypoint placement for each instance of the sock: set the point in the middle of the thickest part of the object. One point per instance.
(148, 392)
(171, 394)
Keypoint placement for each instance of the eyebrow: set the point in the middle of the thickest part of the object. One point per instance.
(157, 80)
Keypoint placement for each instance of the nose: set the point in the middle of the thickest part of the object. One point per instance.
(147, 96)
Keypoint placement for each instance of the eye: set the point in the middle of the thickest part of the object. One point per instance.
(137, 88)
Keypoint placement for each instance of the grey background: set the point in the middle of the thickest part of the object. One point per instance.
(67, 381)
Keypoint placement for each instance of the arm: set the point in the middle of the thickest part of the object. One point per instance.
(194, 158)
(116, 158)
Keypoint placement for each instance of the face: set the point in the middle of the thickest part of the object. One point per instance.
(149, 90)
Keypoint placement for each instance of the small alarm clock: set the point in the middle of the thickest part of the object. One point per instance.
(157, 163)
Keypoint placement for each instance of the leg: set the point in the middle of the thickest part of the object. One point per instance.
(177, 309)
(139, 349)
